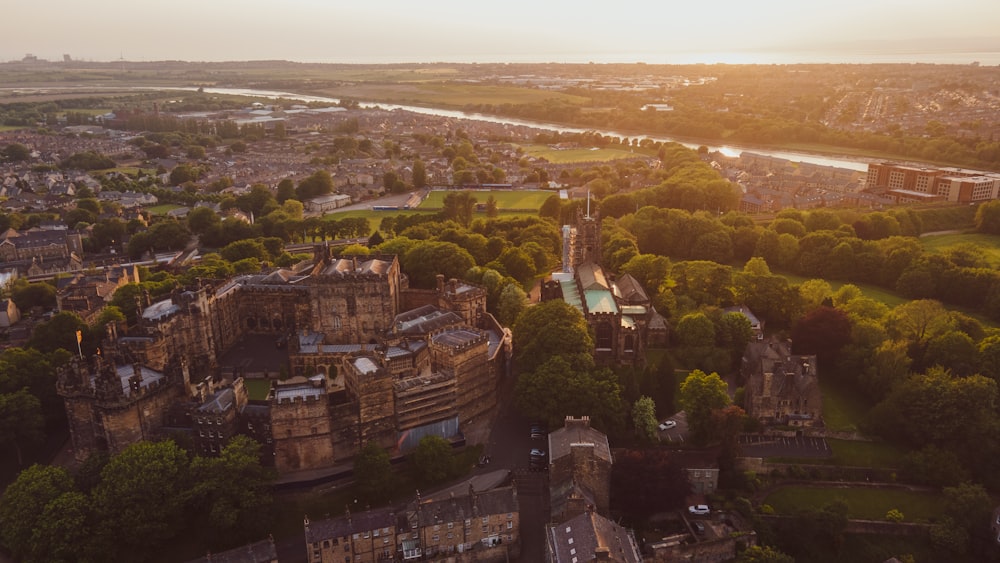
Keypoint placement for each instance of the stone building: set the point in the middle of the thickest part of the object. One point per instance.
(579, 469)
(360, 369)
(111, 404)
(619, 311)
(39, 244)
(782, 389)
(86, 294)
(477, 527)
(590, 537)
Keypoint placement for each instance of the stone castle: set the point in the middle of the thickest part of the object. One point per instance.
(360, 356)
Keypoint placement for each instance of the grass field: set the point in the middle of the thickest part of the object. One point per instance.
(863, 504)
(447, 94)
(257, 389)
(871, 291)
(576, 155)
(12, 127)
(852, 453)
(162, 209)
(990, 244)
(842, 409)
(506, 199)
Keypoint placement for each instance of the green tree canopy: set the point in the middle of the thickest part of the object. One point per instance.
(433, 460)
(373, 473)
(23, 505)
(700, 394)
(548, 329)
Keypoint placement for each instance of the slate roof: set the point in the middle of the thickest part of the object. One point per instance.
(330, 528)
(577, 540)
(263, 551)
(458, 509)
(561, 441)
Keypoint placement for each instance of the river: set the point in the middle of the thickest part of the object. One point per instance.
(860, 163)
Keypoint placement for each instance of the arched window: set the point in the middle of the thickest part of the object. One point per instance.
(603, 334)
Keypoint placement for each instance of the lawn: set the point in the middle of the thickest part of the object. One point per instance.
(871, 291)
(843, 409)
(162, 209)
(506, 199)
(852, 453)
(862, 503)
(990, 244)
(257, 389)
(576, 155)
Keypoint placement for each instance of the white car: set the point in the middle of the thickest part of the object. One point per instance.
(668, 424)
(699, 509)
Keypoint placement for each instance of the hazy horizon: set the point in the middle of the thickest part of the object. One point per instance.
(394, 31)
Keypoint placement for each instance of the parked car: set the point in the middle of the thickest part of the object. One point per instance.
(668, 424)
(537, 453)
(537, 430)
(699, 509)
(699, 528)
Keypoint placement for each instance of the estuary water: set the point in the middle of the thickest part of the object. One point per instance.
(859, 163)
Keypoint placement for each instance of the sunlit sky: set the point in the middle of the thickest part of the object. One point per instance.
(381, 31)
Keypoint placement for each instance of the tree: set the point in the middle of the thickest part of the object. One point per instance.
(184, 173)
(62, 534)
(285, 191)
(570, 386)
(23, 504)
(763, 554)
(988, 218)
(492, 208)
(201, 219)
(21, 421)
(373, 474)
(231, 493)
(140, 500)
(426, 259)
(550, 328)
(318, 183)
(918, 321)
(459, 207)
(15, 152)
(644, 418)
(512, 301)
(419, 174)
(551, 208)
(433, 460)
(644, 482)
(27, 295)
(242, 249)
(700, 394)
(58, 332)
(822, 332)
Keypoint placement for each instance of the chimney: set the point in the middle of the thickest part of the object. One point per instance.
(440, 283)
(602, 554)
(578, 423)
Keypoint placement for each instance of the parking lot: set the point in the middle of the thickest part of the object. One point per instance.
(677, 433)
(757, 445)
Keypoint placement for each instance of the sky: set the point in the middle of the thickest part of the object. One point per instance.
(385, 31)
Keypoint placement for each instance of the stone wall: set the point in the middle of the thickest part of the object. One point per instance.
(302, 433)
